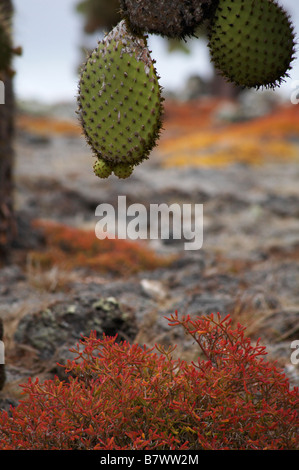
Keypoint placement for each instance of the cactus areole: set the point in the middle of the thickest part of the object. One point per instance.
(252, 42)
(120, 103)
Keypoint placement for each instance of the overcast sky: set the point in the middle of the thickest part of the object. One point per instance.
(50, 32)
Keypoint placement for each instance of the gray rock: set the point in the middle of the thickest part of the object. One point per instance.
(63, 324)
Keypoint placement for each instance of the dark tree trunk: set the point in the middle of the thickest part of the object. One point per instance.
(7, 221)
(2, 366)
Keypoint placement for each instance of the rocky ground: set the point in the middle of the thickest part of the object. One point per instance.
(248, 264)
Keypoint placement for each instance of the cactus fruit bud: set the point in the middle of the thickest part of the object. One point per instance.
(170, 18)
(120, 103)
(102, 169)
(252, 42)
(123, 170)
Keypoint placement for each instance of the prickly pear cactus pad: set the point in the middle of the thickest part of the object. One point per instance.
(252, 42)
(170, 18)
(120, 103)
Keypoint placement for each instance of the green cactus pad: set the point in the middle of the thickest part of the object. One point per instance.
(102, 169)
(120, 103)
(123, 170)
(170, 18)
(252, 42)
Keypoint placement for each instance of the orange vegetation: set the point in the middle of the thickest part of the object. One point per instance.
(194, 137)
(70, 248)
(45, 125)
(189, 116)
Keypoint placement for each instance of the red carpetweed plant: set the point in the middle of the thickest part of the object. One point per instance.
(120, 396)
(72, 247)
